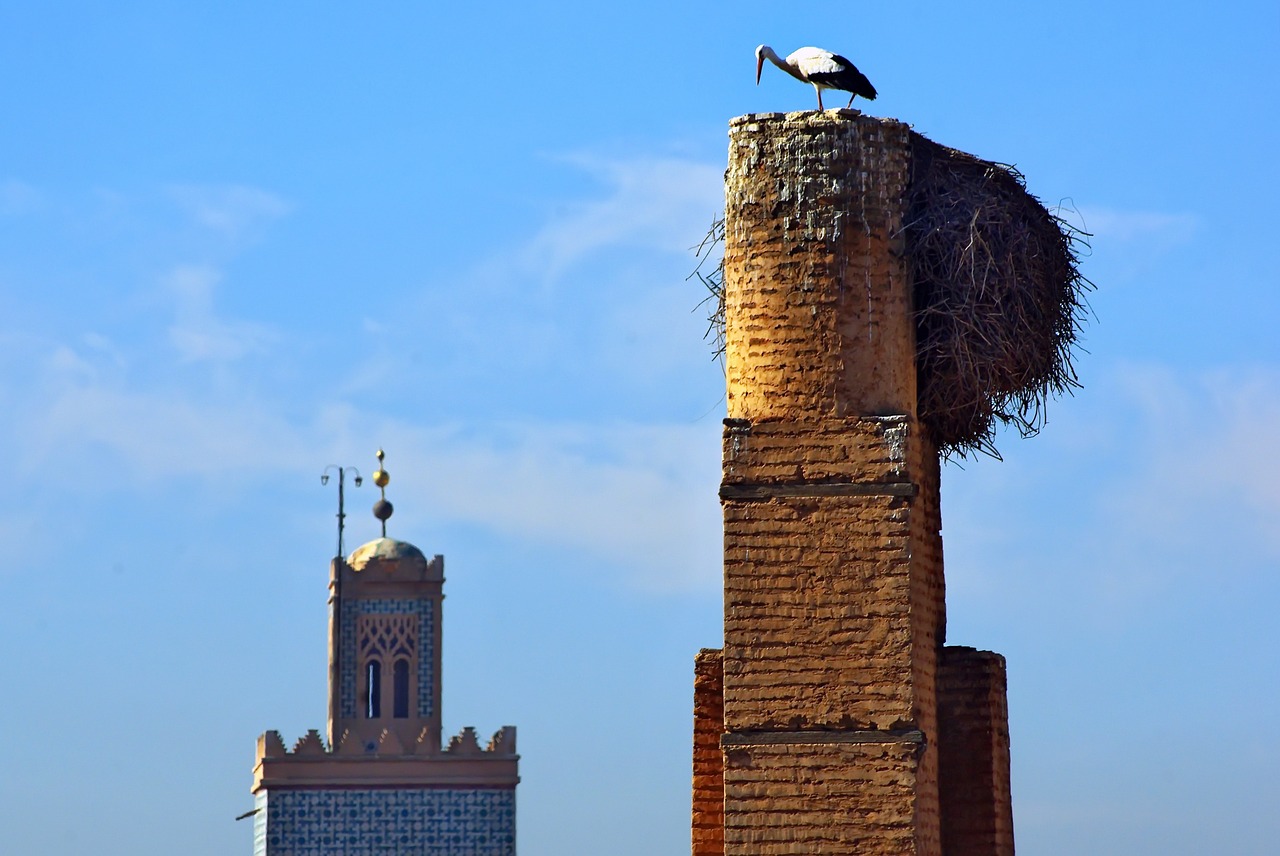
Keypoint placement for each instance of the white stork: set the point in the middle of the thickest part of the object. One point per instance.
(823, 69)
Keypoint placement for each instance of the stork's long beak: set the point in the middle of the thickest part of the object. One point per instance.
(759, 65)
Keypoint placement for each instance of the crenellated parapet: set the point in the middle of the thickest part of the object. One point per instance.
(353, 761)
(503, 741)
(465, 743)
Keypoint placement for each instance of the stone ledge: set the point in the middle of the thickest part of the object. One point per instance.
(775, 738)
(747, 492)
(336, 771)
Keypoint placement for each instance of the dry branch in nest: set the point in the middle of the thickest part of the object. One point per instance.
(713, 279)
(999, 297)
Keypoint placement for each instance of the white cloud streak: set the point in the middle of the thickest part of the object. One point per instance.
(639, 497)
(18, 198)
(1205, 454)
(636, 497)
(602, 283)
(197, 333)
(235, 211)
(1123, 226)
(1150, 483)
(663, 204)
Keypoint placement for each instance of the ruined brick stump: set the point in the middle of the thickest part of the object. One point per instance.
(708, 762)
(973, 725)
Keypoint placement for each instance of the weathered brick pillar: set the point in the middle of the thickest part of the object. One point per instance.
(973, 721)
(833, 560)
(708, 762)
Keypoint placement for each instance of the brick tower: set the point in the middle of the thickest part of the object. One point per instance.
(382, 782)
(833, 721)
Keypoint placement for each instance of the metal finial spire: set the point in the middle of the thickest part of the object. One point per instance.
(342, 477)
(382, 509)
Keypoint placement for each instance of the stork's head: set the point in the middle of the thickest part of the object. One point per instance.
(760, 52)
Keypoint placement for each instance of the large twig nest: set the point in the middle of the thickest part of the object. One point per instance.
(999, 297)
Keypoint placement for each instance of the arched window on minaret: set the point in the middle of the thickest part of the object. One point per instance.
(387, 639)
(373, 690)
(400, 687)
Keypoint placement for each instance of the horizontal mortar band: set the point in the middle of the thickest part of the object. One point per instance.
(772, 491)
(774, 738)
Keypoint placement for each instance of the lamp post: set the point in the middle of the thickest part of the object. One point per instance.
(342, 514)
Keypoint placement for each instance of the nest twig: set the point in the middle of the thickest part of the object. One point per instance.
(713, 280)
(999, 298)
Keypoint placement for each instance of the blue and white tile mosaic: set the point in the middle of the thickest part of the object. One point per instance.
(426, 822)
(351, 609)
(260, 824)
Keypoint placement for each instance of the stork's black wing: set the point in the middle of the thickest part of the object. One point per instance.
(846, 77)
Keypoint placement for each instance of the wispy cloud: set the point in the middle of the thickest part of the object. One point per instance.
(663, 204)
(1204, 454)
(235, 211)
(1125, 226)
(632, 496)
(639, 499)
(197, 333)
(1174, 485)
(1128, 244)
(599, 287)
(18, 197)
(636, 497)
(158, 436)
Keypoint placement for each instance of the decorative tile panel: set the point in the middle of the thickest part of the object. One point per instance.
(380, 822)
(260, 824)
(351, 610)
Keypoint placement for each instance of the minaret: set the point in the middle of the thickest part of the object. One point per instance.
(382, 781)
(384, 640)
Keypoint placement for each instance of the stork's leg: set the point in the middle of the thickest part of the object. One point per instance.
(818, 89)
(851, 97)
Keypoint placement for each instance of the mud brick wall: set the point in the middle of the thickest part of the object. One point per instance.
(830, 614)
(874, 786)
(973, 716)
(818, 295)
(818, 615)
(708, 761)
(833, 560)
(833, 614)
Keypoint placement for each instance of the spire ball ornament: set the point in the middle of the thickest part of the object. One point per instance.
(382, 509)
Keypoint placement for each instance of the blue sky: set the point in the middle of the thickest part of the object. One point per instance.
(239, 243)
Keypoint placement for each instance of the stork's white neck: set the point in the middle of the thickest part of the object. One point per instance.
(771, 55)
